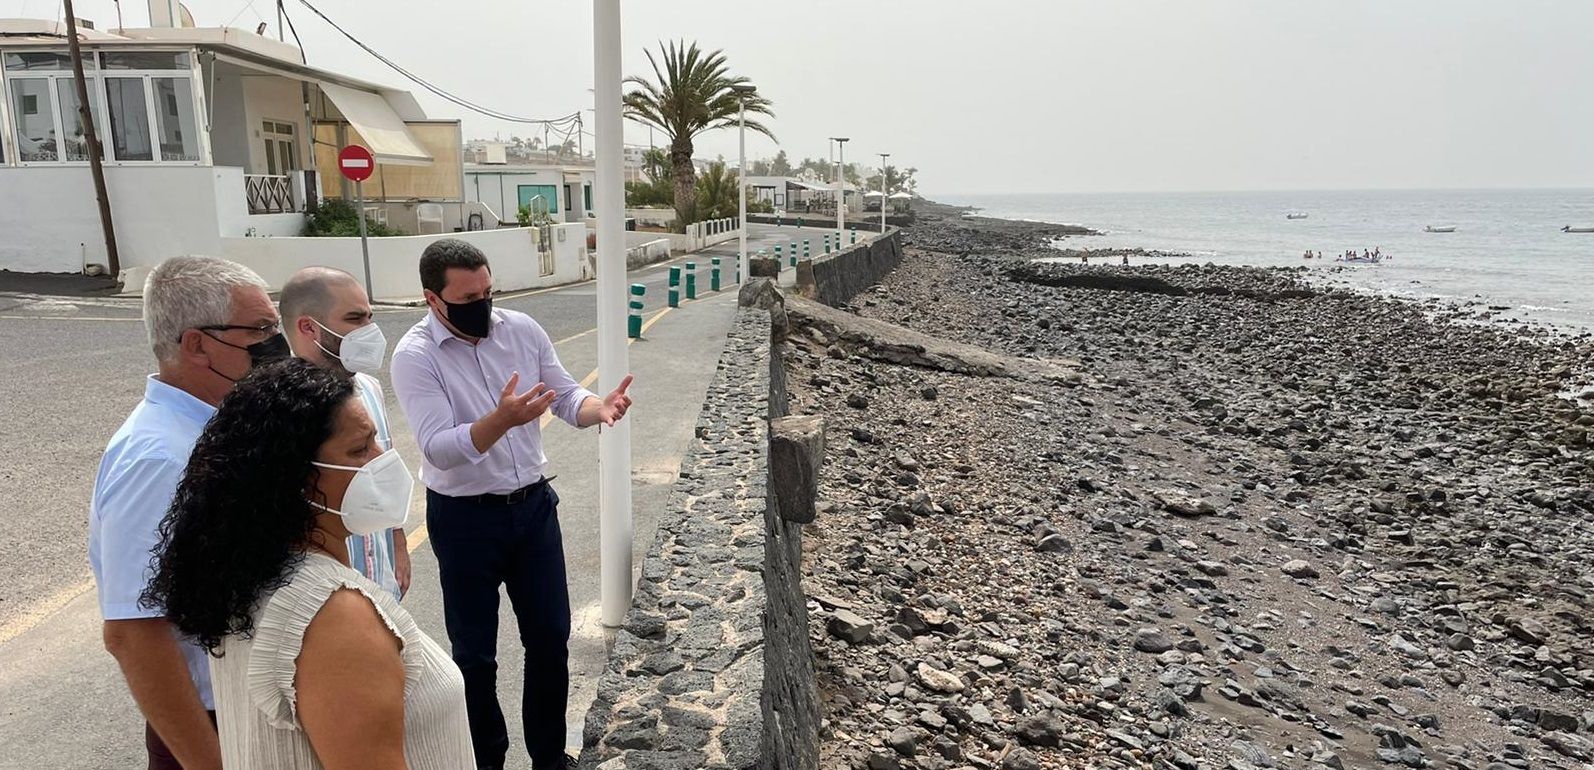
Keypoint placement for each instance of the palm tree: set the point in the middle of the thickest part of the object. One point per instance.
(692, 93)
(716, 192)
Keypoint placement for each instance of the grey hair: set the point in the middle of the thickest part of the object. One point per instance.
(309, 293)
(184, 293)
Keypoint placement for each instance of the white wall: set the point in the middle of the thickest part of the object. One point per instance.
(229, 134)
(49, 221)
(512, 253)
(652, 217)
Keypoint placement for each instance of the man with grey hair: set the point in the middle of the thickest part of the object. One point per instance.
(209, 320)
(329, 323)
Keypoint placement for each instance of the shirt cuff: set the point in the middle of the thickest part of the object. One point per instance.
(467, 447)
(129, 611)
(570, 410)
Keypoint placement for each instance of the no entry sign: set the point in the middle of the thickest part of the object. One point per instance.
(356, 163)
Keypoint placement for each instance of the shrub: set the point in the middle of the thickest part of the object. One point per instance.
(337, 218)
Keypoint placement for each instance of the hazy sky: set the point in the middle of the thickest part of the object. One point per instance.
(1043, 95)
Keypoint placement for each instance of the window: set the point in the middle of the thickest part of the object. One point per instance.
(74, 140)
(282, 152)
(35, 119)
(129, 135)
(146, 60)
(174, 118)
(149, 103)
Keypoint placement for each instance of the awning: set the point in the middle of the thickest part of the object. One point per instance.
(383, 131)
(872, 194)
(901, 194)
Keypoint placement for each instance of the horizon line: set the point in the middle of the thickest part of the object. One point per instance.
(1589, 188)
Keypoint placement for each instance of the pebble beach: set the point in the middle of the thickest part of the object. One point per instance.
(1266, 521)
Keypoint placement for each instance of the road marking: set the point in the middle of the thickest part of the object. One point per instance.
(41, 611)
(68, 318)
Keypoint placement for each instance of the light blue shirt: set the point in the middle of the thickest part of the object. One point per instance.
(374, 557)
(137, 479)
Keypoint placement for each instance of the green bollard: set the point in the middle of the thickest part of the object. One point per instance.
(827, 243)
(854, 235)
(807, 254)
(777, 252)
(675, 286)
(633, 328)
(714, 274)
(691, 280)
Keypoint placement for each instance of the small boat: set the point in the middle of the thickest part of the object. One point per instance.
(1439, 229)
(1571, 229)
(1296, 215)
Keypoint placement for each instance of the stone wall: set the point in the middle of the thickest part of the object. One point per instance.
(713, 668)
(836, 279)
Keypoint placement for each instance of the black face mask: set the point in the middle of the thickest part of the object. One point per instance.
(473, 319)
(270, 349)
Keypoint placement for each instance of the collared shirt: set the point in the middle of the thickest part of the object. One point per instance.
(136, 482)
(445, 384)
(374, 556)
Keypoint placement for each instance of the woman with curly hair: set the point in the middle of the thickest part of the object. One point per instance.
(314, 666)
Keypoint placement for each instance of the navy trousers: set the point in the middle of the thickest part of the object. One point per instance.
(481, 546)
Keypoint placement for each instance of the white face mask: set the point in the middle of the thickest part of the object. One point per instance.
(378, 498)
(362, 349)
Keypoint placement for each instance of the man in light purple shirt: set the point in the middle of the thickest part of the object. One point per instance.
(491, 514)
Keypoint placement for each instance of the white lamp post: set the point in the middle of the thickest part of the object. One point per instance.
(841, 184)
(883, 157)
(743, 90)
(614, 444)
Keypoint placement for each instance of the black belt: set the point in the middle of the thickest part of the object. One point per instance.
(512, 498)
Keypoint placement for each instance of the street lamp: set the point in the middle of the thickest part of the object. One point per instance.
(841, 182)
(883, 157)
(743, 91)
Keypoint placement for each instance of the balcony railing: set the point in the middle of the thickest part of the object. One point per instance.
(269, 194)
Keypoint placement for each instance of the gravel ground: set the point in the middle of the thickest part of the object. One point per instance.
(1277, 524)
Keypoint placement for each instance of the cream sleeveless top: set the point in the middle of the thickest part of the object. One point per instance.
(256, 708)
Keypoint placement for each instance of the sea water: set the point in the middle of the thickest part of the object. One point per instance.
(1508, 249)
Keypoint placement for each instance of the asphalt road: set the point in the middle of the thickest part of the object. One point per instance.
(72, 368)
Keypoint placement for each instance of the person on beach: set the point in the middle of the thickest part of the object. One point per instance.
(209, 323)
(314, 665)
(329, 323)
(491, 511)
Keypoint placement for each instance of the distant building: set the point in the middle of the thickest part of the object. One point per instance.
(562, 191)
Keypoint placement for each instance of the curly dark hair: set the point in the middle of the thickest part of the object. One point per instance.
(240, 523)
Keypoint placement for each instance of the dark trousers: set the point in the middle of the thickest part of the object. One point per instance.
(480, 546)
(160, 757)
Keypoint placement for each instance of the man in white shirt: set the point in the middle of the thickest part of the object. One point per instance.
(209, 321)
(328, 320)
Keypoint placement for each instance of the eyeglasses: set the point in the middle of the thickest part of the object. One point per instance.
(269, 329)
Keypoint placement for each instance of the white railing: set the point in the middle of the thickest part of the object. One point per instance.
(269, 194)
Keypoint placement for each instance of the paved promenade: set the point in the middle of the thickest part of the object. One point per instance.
(74, 368)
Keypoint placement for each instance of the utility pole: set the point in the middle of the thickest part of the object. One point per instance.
(614, 443)
(743, 90)
(883, 157)
(113, 262)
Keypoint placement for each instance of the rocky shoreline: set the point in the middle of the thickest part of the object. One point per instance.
(1265, 524)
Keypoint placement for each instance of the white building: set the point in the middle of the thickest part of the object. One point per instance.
(206, 137)
(792, 194)
(564, 192)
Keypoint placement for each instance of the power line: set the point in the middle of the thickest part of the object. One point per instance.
(422, 82)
